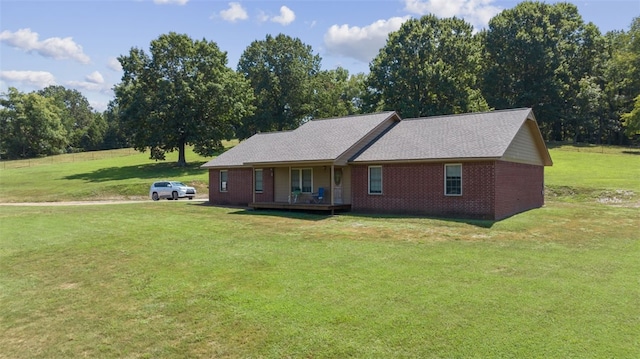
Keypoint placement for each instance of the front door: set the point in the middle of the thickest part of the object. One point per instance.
(337, 186)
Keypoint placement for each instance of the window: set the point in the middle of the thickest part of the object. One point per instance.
(453, 180)
(375, 179)
(224, 177)
(302, 180)
(258, 183)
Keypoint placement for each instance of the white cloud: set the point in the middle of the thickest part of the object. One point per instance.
(92, 82)
(95, 77)
(99, 106)
(263, 17)
(361, 43)
(114, 64)
(234, 13)
(91, 86)
(165, 2)
(286, 17)
(40, 79)
(54, 47)
(476, 12)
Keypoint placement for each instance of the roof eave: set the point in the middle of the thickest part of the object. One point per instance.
(319, 162)
(222, 166)
(427, 160)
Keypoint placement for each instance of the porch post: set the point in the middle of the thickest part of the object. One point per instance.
(253, 183)
(289, 190)
(331, 181)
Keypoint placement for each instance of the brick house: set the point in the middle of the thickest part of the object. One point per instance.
(480, 165)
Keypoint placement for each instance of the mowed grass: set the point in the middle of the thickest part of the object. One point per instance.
(103, 175)
(590, 168)
(181, 279)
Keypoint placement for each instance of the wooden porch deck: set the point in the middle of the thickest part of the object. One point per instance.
(324, 207)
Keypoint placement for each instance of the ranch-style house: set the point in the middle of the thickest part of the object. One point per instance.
(487, 165)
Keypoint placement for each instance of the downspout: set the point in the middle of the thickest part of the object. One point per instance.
(253, 184)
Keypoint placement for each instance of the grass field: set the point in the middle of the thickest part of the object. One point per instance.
(115, 174)
(180, 279)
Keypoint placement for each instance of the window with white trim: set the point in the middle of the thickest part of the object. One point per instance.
(302, 180)
(224, 178)
(258, 184)
(453, 180)
(375, 179)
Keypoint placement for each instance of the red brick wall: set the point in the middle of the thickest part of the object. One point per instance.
(519, 187)
(419, 188)
(240, 187)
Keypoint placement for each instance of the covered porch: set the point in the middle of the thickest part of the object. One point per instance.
(316, 184)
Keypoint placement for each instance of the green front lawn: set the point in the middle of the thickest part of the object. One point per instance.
(180, 279)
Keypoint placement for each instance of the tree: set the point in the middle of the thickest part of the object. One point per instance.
(588, 112)
(428, 67)
(77, 116)
(281, 70)
(622, 74)
(337, 94)
(535, 56)
(632, 119)
(180, 94)
(95, 133)
(114, 136)
(31, 125)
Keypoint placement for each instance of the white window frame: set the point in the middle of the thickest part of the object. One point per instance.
(255, 180)
(300, 179)
(223, 186)
(369, 180)
(445, 180)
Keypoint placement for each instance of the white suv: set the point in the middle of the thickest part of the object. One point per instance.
(171, 190)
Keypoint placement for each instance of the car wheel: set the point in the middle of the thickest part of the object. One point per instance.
(174, 195)
(190, 198)
(155, 196)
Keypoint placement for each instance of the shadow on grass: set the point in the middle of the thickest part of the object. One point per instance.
(316, 216)
(291, 214)
(148, 171)
(482, 223)
(631, 152)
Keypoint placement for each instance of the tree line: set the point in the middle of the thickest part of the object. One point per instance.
(584, 86)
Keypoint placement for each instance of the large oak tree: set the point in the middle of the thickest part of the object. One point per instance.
(181, 93)
(543, 56)
(281, 70)
(428, 67)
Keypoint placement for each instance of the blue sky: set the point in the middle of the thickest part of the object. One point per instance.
(75, 43)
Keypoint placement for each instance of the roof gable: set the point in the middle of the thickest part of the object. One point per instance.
(316, 140)
(463, 136)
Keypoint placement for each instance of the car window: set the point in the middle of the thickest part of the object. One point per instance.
(178, 184)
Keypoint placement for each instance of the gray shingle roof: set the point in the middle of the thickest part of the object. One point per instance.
(317, 140)
(474, 135)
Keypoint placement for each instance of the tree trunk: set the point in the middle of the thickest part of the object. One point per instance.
(182, 162)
